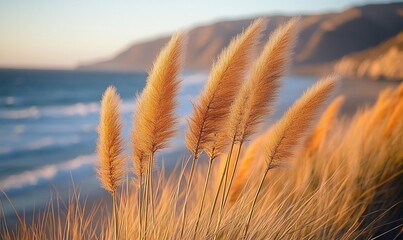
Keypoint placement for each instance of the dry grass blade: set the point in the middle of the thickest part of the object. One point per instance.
(222, 86)
(324, 126)
(256, 97)
(111, 168)
(395, 118)
(252, 153)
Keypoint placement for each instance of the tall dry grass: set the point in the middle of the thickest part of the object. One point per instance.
(335, 178)
(324, 125)
(154, 122)
(211, 110)
(255, 99)
(111, 169)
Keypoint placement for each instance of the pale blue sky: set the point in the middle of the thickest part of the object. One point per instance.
(61, 34)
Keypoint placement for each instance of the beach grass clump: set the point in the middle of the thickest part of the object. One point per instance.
(307, 176)
(154, 122)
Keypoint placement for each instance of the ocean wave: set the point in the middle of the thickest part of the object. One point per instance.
(31, 112)
(32, 177)
(51, 141)
(5, 149)
(39, 144)
(78, 109)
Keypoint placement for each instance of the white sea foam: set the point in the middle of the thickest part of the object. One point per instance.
(31, 112)
(32, 177)
(40, 143)
(51, 141)
(78, 109)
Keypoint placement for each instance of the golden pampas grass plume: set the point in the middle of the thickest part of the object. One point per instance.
(217, 146)
(111, 167)
(154, 121)
(223, 84)
(288, 131)
(256, 97)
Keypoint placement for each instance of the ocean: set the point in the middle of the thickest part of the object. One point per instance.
(48, 121)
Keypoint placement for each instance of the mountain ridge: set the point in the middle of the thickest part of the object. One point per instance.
(324, 38)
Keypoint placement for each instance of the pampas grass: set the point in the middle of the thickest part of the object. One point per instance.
(111, 167)
(257, 95)
(340, 184)
(211, 109)
(289, 130)
(296, 121)
(154, 122)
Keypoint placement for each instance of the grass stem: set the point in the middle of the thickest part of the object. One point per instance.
(254, 203)
(203, 197)
(192, 168)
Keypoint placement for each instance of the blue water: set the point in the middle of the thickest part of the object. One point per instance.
(48, 123)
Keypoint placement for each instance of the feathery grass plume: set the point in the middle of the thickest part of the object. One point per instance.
(289, 130)
(111, 167)
(217, 146)
(223, 84)
(257, 95)
(154, 121)
(296, 121)
(211, 109)
(139, 163)
(324, 125)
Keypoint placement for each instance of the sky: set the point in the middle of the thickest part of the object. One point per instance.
(62, 34)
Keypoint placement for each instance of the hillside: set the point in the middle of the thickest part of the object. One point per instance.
(384, 61)
(323, 38)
